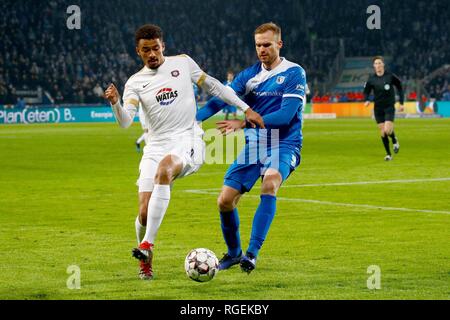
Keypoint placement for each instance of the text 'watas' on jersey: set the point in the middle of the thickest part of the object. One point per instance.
(263, 90)
(166, 96)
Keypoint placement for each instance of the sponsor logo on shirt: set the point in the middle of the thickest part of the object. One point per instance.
(267, 93)
(280, 79)
(300, 87)
(175, 73)
(166, 96)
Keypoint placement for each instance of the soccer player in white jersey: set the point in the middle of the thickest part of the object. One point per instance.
(144, 135)
(175, 147)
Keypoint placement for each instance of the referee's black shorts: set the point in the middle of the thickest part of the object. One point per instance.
(384, 114)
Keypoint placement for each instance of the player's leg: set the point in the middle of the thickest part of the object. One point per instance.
(266, 210)
(385, 141)
(277, 169)
(380, 119)
(229, 218)
(185, 159)
(154, 191)
(141, 219)
(168, 169)
(145, 263)
(147, 169)
(263, 218)
(240, 178)
(389, 128)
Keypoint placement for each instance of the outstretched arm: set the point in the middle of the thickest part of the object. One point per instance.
(283, 116)
(213, 106)
(292, 102)
(226, 94)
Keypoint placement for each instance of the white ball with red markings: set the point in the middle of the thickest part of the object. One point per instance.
(201, 265)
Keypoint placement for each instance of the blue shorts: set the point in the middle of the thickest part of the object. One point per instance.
(248, 167)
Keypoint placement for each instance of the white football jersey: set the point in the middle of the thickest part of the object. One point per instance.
(166, 96)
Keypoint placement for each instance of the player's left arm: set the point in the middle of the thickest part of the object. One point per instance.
(293, 100)
(214, 104)
(224, 93)
(398, 84)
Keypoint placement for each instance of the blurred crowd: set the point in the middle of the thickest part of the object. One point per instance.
(74, 66)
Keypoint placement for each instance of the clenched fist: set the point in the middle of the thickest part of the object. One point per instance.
(112, 94)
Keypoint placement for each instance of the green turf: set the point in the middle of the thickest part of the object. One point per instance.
(68, 197)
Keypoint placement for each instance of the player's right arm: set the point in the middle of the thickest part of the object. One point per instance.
(124, 114)
(367, 89)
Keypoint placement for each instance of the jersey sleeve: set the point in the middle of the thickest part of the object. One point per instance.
(198, 76)
(130, 96)
(239, 82)
(125, 115)
(296, 84)
(293, 100)
(367, 89)
(398, 84)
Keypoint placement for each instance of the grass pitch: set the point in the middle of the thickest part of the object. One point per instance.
(68, 197)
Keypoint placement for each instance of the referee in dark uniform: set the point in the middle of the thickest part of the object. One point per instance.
(382, 83)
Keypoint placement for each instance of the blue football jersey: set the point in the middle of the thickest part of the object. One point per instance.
(264, 90)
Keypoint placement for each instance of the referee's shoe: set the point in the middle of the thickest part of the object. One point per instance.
(396, 147)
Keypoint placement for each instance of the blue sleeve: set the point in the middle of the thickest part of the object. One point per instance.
(213, 106)
(238, 84)
(292, 103)
(284, 115)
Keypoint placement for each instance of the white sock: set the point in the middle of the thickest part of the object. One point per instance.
(140, 230)
(157, 207)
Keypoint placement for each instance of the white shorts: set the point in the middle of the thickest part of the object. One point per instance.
(190, 149)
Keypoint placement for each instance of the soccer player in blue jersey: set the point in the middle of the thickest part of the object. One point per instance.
(275, 88)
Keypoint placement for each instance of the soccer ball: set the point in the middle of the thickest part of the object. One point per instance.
(201, 265)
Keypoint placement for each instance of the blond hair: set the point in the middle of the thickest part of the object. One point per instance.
(270, 26)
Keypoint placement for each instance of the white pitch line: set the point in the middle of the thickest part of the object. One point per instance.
(364, 182)
(365, 206)
(342, 183)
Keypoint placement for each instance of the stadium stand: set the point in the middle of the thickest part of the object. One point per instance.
(73, 66)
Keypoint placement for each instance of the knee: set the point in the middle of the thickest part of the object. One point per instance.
(271, 184)
(226, 203)
(163, 175)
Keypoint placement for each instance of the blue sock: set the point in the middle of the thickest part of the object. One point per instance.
(230, 231)
(261, 222)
